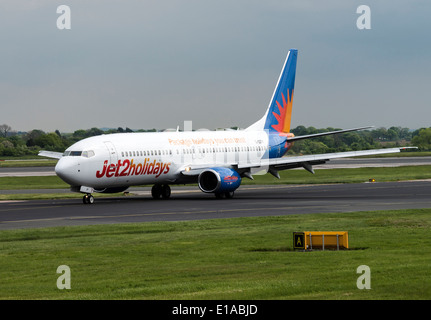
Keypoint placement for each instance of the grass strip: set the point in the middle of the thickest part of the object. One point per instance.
(238, 258)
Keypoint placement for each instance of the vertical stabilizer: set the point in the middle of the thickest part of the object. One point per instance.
(279, 113)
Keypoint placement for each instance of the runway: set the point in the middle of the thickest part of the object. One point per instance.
(191, 204)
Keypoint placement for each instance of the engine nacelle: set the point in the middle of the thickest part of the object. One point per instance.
(219, 180)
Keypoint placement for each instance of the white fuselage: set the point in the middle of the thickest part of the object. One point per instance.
(126, 159)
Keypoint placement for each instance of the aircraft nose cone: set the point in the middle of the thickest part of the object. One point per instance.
(66, 169)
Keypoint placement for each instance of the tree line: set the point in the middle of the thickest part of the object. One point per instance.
(16, 144)
(353, 141)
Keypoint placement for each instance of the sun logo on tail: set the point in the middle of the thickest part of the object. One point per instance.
(285, 115)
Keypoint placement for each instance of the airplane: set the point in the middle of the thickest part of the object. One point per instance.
(216, 160)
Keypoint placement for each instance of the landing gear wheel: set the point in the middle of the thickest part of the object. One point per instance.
(166, 191)
(156, 191)
(219, 195)
(229, 195)
(88, 199)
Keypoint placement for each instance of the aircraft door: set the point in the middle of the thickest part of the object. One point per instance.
(112, 152)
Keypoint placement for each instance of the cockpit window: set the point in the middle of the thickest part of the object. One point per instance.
(88, 154)
(85, 154)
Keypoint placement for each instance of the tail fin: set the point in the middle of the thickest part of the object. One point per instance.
(278, 115)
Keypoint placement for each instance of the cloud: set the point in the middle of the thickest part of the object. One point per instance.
(156, 63)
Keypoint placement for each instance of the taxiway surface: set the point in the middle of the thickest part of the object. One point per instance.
(192, 204)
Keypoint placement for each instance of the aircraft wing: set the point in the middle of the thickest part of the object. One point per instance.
(50, 154)
(307, 161)
(289, 162)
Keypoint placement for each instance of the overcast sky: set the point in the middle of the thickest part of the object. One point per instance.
(155, 64)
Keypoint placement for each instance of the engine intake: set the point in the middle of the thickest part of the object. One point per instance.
(219, 180)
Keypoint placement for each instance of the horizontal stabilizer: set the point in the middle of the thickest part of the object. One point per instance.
(326, 133)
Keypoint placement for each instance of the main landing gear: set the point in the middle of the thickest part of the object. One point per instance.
(227, 195)
(161, 190)
(88, 199)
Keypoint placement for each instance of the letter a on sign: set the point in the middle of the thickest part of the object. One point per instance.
(364, 20)
(298, 240)
(63, 21)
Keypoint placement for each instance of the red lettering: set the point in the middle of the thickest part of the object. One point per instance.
(126, 163)
(162, 167)
(138, 169)
(132, 169)
(111, 170)
(144, 167)
(129, 168)
(156, 169)
(118, 168)
(101, 174)
(151, 167)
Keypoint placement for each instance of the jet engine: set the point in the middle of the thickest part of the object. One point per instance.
(219, 180)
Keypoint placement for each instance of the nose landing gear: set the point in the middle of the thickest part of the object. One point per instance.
(88, 199)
